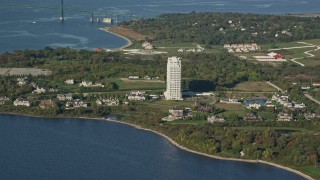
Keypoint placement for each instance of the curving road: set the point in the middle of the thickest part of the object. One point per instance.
(306, 52)
(312, 99)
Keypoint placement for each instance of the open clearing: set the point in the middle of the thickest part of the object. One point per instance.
(125, 84)
(230, 107)
(24, 71)
(254, 87)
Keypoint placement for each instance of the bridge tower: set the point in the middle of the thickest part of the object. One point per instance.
(62, 16)
(91, 18)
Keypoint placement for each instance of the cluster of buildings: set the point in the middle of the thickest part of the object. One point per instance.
(65, 97)
(252, 117)
(284, 116)
(108, 102)
(90, 84)
(198, 49)
(191, 50)
(47, 104)
(287, 103)
(271, 57)
(242, 47)
(257, 103)
(147, 45)
(76, 103)
(22, 102)
(230, 101)
(41, 90)
(177, 113)
(213, 119)
(137, 96)
(3, 100)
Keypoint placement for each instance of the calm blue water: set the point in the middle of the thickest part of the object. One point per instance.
(37, 149)
(17, 30)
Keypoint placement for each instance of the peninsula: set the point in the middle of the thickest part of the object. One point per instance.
(232, 104)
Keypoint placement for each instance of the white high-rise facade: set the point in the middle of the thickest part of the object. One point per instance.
(173, 91)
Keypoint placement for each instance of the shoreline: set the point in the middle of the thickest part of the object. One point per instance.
(129, 43)
(174, 143)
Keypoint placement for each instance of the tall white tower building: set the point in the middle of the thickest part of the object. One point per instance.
(173, 91)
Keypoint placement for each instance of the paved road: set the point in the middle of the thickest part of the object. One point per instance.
(312, 99)
(306, 52)
(275, 86)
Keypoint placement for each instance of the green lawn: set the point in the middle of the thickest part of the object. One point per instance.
(313, 170)
(294, 53)
(175, 45)
(194, 122)
(254, 86)
(290, 44)
(267, 115)
(310, 61)
(139, 85)
(282, 45)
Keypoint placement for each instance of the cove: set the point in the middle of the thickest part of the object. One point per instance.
(43, 148)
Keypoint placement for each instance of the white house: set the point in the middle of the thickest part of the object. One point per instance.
(21, 102)
(69, 81)
(215, 119)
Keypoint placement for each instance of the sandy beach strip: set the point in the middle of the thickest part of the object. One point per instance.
(175, 143)
(129, 43)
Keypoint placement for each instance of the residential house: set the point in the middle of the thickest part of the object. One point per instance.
(137, 96)
(108, 102)
(213, 119)
(85, 84)
(134, 77)
(311, 115)
(255, 103)
(39, 90)
(316, 84)
(22, 102)
(22, 81)
(47, 104)
(271, 57)
(3, 100)
(252, 117)
(76, 104)
(69, 81)
(90, 84)
(282, 116)
(230, 101)
(175, 113)
(147, 45)
(64, 97)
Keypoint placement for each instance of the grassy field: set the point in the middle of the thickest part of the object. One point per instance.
(230, 107)
(164, 105)
(194, 122)
(290, 44)
(267, 115)
(313, 170)
(312, 61)
(294, 53)
(137, 84)
(254, 86)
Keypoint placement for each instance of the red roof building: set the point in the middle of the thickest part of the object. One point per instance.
(316, 84)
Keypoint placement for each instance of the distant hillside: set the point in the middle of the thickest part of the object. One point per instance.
(221, 28)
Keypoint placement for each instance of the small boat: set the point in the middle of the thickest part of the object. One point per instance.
(33, 22)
